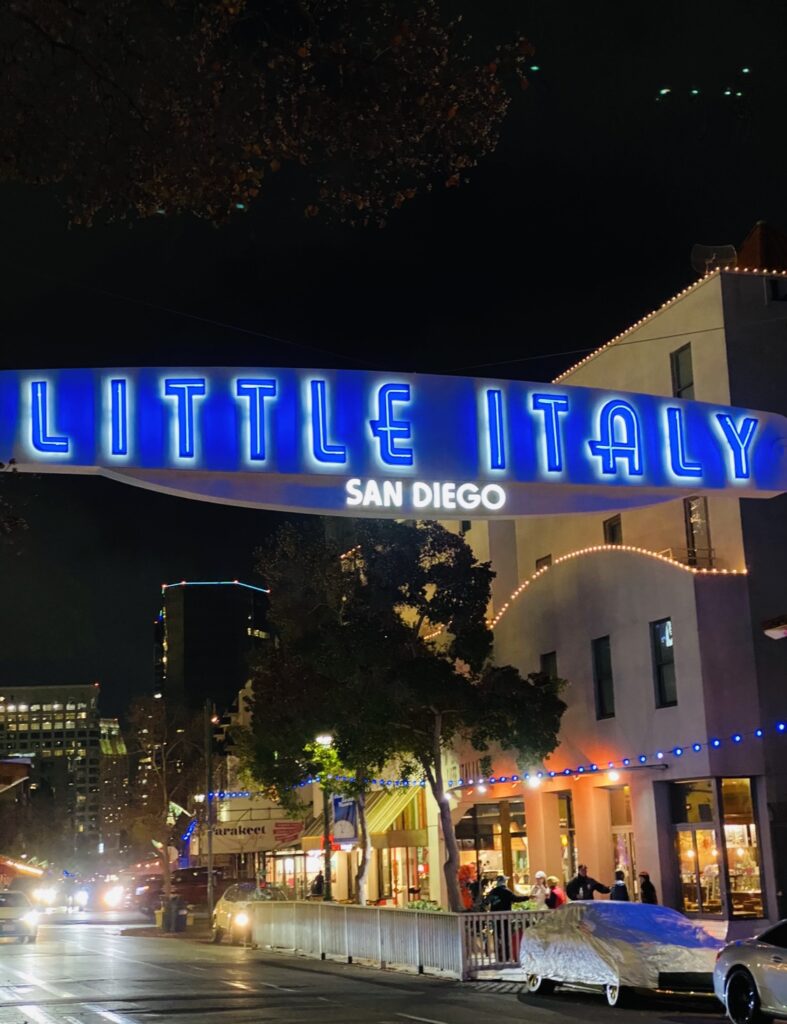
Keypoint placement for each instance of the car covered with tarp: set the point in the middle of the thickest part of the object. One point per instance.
(615, 946)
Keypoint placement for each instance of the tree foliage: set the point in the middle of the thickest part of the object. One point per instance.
(143, 107)
(11, 523)
(166, 749)
(383, 641)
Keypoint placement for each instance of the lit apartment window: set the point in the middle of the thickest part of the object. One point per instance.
(664, 663)
(543, 562)
(549, 664)
(613, 530)
(602, 678)
(682, 372)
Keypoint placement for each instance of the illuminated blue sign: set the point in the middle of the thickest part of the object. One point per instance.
(361, 443)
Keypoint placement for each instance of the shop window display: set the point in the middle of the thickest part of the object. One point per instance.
(740, 840)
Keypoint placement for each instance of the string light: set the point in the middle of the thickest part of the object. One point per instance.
(597, 549)
(532, 779)
(665, 305)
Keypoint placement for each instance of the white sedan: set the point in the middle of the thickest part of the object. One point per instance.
(18, 919)
(233, 913)
(612, 947)
(750, 977)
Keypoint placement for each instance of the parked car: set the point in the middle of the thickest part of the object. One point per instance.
(232, 915)
(614, 947)
(18, 919)
(750, 977)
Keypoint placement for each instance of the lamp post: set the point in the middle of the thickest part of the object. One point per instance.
(326, 740)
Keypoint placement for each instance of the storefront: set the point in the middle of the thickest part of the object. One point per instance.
(716, 847)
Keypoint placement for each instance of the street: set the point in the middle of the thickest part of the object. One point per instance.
(82, 973)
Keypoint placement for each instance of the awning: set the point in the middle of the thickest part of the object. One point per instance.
(382, 810)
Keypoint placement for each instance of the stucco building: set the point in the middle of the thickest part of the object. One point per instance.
(655, 616)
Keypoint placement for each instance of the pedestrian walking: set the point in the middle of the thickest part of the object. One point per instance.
(647, 890)
(318, 885)
(582, 886)
(556, 897)
(501, 898)
(619, 888)
(539, 889)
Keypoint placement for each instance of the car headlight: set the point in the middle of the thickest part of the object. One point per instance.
(241, 919)
(81, 897)
(30, 918)
(114, 896)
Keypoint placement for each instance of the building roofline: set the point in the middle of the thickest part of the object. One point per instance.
(213, 583)
(665, 305)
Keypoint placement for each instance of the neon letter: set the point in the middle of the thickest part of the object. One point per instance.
(43, 441)
(552, 406)
(256, 391)
(323, 450)
(494, 419)
(118, 403)
(184, 390)
(676, 431)
(388, 428)
(739, 439)
(609, 447)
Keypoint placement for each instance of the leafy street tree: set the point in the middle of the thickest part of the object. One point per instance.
(144, 107)
(10, 522)
(296, 693)
(166, 748)
(384, 639)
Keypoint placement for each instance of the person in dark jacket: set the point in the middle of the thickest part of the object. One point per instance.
(619, 888)
(647, 890)
(582, 886)
(500, 897)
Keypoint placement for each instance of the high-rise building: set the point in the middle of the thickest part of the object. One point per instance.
(113, 775)
(58, 728)
(206, 634)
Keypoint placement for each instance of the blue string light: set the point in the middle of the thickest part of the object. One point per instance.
(677, 751)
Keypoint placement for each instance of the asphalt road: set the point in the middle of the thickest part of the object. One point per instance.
(82, 973)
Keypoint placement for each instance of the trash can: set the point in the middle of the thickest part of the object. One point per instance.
(158, 916)
(178, 915)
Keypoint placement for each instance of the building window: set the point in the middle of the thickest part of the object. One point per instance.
(613, 530)
(543, 562)
(568, 838)
(742, 848)
(698, 549)
(549, 664)
(682, 372)
(664, 663)
(602, 678)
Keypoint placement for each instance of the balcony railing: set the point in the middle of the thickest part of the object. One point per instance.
(699, 558)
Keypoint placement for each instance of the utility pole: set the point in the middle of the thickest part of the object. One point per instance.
(209, 722)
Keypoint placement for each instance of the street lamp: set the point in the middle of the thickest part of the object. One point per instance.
(325, 740)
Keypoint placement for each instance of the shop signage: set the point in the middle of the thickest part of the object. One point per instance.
(385, 444)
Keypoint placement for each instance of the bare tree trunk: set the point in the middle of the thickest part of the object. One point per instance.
(434, 774)
(166, 873)
(366, 852)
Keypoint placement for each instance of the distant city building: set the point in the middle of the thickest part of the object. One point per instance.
(113, 774)
(206, 634)
(58, 728)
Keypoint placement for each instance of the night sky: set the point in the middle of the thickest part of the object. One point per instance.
(581, 222)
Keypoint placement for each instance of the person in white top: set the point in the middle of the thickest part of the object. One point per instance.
(539, 889)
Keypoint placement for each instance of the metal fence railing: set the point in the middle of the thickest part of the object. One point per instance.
(457, 945)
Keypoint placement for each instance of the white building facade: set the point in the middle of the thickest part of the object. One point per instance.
(654, 616)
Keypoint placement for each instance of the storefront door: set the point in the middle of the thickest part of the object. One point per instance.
(699, 863)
